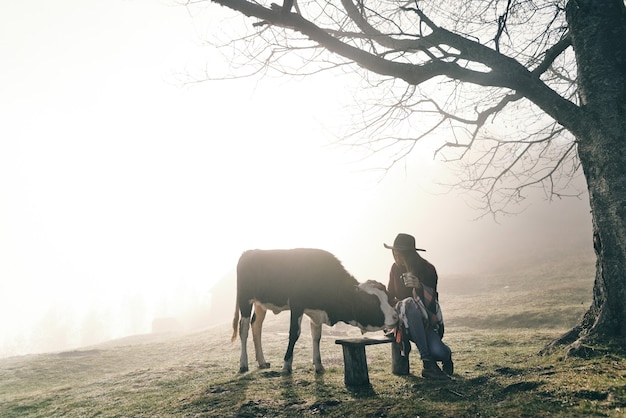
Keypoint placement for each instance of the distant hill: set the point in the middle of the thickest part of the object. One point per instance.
(223, 295)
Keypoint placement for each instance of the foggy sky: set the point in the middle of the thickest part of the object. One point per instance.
(125, 196)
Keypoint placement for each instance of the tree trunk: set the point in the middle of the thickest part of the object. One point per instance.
(598, 31)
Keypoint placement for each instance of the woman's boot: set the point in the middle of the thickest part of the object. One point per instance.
(432, 371)
(448, 366)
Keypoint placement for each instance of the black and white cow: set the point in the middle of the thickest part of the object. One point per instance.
(306, 281)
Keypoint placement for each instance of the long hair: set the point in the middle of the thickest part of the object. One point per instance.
(417, 265)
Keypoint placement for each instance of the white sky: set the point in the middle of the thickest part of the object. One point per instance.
(117, 181)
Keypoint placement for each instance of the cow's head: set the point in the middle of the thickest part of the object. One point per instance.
(372, 308)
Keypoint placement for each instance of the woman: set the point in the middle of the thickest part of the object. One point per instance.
(413, 285)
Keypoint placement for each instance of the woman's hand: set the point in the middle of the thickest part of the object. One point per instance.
(410, 280)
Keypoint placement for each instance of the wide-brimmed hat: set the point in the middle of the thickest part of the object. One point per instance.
(403, 242)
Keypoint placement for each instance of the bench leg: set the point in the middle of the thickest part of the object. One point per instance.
(355, 366)
(399, 363)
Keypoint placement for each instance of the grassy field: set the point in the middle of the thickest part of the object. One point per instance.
(496, 325)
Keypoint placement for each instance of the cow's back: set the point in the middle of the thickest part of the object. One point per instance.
(284, 277)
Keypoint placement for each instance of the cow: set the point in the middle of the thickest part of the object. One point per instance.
(306, 281)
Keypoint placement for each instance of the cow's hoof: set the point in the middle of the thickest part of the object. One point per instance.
(286, 371)
(264, 366)
(243, 369)
(320, 370)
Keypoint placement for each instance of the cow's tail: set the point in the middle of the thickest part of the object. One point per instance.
(235, 323)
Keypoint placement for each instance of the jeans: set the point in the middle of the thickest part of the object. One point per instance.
(428, 342)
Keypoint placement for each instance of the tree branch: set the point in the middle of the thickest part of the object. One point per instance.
(551, 54)
(403, 43)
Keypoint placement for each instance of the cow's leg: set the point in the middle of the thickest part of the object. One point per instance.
(316, 334)
(257, 328)
(244, 325)
(294, 334)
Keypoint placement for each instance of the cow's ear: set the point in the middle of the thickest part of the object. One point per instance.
(379, 285)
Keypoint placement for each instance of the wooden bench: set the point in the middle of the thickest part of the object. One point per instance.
(355, 361)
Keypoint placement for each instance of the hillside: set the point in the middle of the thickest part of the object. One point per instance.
(496, 324)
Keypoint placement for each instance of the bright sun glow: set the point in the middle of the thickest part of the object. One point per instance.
(118, 184)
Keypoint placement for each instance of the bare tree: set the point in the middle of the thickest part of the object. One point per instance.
(551, 72)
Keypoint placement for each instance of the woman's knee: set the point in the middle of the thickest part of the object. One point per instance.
(437, 348)
(441, 351)
(446, 353)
